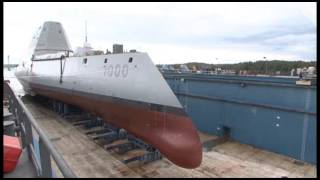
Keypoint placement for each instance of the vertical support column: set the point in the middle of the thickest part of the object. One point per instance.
(10, 102)
(305, 125)
(14, 111)
(21, 125)
(186, 97)
(28, 127)
(46, 171)
(59, 108)
(65, 109)
(27, 136)
(53, 104)
(61, 69)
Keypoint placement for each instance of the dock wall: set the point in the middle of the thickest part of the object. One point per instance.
(271, 113)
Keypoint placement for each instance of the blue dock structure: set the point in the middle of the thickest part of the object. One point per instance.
(273, 113)
(95, 149)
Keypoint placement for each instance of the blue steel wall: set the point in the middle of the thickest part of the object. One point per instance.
(266, 112)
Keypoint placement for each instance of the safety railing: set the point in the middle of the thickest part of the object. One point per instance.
(27, 127)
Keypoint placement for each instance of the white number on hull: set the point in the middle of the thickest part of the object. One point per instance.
(110, 71)
(124, 70)
(117, 71)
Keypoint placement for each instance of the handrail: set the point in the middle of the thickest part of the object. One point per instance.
(44, 141)
(216, 98)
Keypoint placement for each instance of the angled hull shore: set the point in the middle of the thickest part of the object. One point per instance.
(125, 89)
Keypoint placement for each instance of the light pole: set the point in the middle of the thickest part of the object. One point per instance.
(8, 63)
(265, 58)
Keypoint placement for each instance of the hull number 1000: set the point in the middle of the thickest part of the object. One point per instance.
(117, 71)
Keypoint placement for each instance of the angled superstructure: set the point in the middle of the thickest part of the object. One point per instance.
(50, 38)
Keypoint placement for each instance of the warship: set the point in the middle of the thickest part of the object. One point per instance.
(124, 88)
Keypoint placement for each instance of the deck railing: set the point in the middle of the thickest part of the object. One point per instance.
(27, 128)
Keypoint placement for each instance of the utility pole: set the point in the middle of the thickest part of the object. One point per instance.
(86, 40)
(8, 63)
(216, 66)
(266, 65)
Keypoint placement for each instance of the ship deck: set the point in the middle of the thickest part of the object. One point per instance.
(229, 159)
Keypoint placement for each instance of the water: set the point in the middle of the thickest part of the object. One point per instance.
(14, 83)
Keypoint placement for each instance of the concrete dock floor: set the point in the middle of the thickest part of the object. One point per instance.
(230, 159)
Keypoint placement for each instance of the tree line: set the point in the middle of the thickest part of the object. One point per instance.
(257, 67)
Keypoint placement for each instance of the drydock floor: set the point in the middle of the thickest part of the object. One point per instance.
(230, 159)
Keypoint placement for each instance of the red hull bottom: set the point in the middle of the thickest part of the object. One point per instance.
(174, 135)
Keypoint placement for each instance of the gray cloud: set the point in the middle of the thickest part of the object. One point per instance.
(233, 29)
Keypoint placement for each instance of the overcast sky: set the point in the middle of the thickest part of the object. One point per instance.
(174, 32)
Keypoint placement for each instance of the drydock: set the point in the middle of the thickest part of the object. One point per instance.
(273, 113)
(224, 155)
(116, 115)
